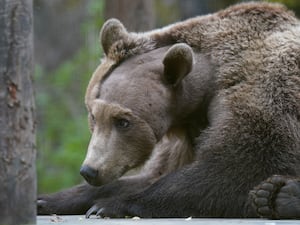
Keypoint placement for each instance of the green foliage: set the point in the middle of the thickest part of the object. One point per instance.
(291, 4)
(63, 135)
(166, 12)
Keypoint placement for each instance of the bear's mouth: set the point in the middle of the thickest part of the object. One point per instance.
(96, 178)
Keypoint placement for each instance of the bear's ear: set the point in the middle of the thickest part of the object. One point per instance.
(112, 31)
(178, 62)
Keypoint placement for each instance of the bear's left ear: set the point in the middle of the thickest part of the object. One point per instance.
(112, 31)
(178, 62)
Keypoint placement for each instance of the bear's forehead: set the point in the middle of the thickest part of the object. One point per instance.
(138, 64)
(136, 95)
(136, 84)
(134, 79)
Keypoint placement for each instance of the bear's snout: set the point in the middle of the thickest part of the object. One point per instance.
(88, 173)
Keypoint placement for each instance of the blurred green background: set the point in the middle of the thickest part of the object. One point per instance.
(66, 53)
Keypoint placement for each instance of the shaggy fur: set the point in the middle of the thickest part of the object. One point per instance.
(230, 95)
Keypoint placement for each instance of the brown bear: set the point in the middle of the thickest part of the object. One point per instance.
(227, 87)
(110, 153)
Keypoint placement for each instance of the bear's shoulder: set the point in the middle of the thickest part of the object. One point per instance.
(118, 44)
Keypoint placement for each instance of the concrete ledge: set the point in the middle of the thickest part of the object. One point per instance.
(81, 220)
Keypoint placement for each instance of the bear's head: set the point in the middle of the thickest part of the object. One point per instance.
(131, 101)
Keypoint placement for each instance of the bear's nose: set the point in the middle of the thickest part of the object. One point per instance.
(88, 173)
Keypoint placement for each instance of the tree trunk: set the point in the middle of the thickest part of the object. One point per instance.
(17, 126)
(136, 15)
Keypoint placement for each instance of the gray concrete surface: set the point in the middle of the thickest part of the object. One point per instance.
(81, 220)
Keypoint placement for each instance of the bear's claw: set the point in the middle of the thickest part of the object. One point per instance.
(106, 208)
(93, 210)
(43, 207)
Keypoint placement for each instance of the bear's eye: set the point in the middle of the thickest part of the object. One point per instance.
(122, 123)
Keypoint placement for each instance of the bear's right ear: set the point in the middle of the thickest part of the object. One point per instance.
(178, 62)
(112, 31)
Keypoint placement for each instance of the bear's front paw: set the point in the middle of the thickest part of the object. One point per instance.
(45, 206)
(110, 208)
(277, 197)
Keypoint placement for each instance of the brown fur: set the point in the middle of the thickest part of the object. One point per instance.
(254, 49)
(229, 96)
(110, 161)
(172, 152)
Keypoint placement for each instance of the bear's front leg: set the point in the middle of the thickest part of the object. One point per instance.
(78, 199)
(277, 198)
(75, 200)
